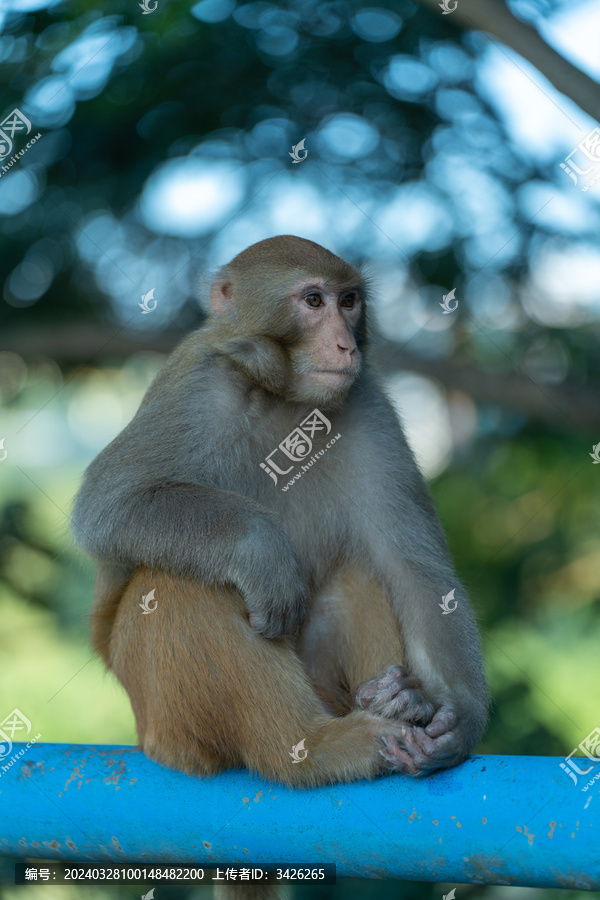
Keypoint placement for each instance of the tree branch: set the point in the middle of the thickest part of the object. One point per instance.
(568, 408)
(565, 407)
(495, 18)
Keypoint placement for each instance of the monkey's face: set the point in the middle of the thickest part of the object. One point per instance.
(325, 358)
(292, 318)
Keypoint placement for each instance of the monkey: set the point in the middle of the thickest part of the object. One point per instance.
(309, 614)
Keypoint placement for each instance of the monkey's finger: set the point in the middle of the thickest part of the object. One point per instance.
(444, 720)
(396, 695)
(365, 694)
(421, 763)
(396, 757)
(430, 754)
(410, 706)
(430, 746)
(391, 676)
(382, 690)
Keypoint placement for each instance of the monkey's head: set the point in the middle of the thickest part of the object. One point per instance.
(292, 316)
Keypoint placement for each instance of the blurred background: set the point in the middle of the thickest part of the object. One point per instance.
(454, 153)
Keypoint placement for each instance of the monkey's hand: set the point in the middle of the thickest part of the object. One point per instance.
(445, 742)
(270, 579)
(396, 695)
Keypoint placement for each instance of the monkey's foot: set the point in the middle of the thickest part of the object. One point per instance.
(396, 695)
(420, 751)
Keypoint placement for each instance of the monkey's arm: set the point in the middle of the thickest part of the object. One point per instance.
(443, 650)
(216, 536)
(410, 552)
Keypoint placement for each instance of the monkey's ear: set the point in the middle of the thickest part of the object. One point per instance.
(221, 296)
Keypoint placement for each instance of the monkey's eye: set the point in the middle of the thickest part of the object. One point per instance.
(349, 300)
(313, 300)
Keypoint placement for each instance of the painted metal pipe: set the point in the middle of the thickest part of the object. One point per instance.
(512, 820)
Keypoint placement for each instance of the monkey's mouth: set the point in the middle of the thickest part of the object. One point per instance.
(336, 373)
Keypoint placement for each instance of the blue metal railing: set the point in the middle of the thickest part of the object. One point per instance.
(496, 820)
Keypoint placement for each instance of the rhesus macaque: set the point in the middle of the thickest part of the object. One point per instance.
(310, 614)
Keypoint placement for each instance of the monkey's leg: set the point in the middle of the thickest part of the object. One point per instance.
(351, 646)
(208, 693)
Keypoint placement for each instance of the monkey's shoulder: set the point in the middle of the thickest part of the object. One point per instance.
(194, 379)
